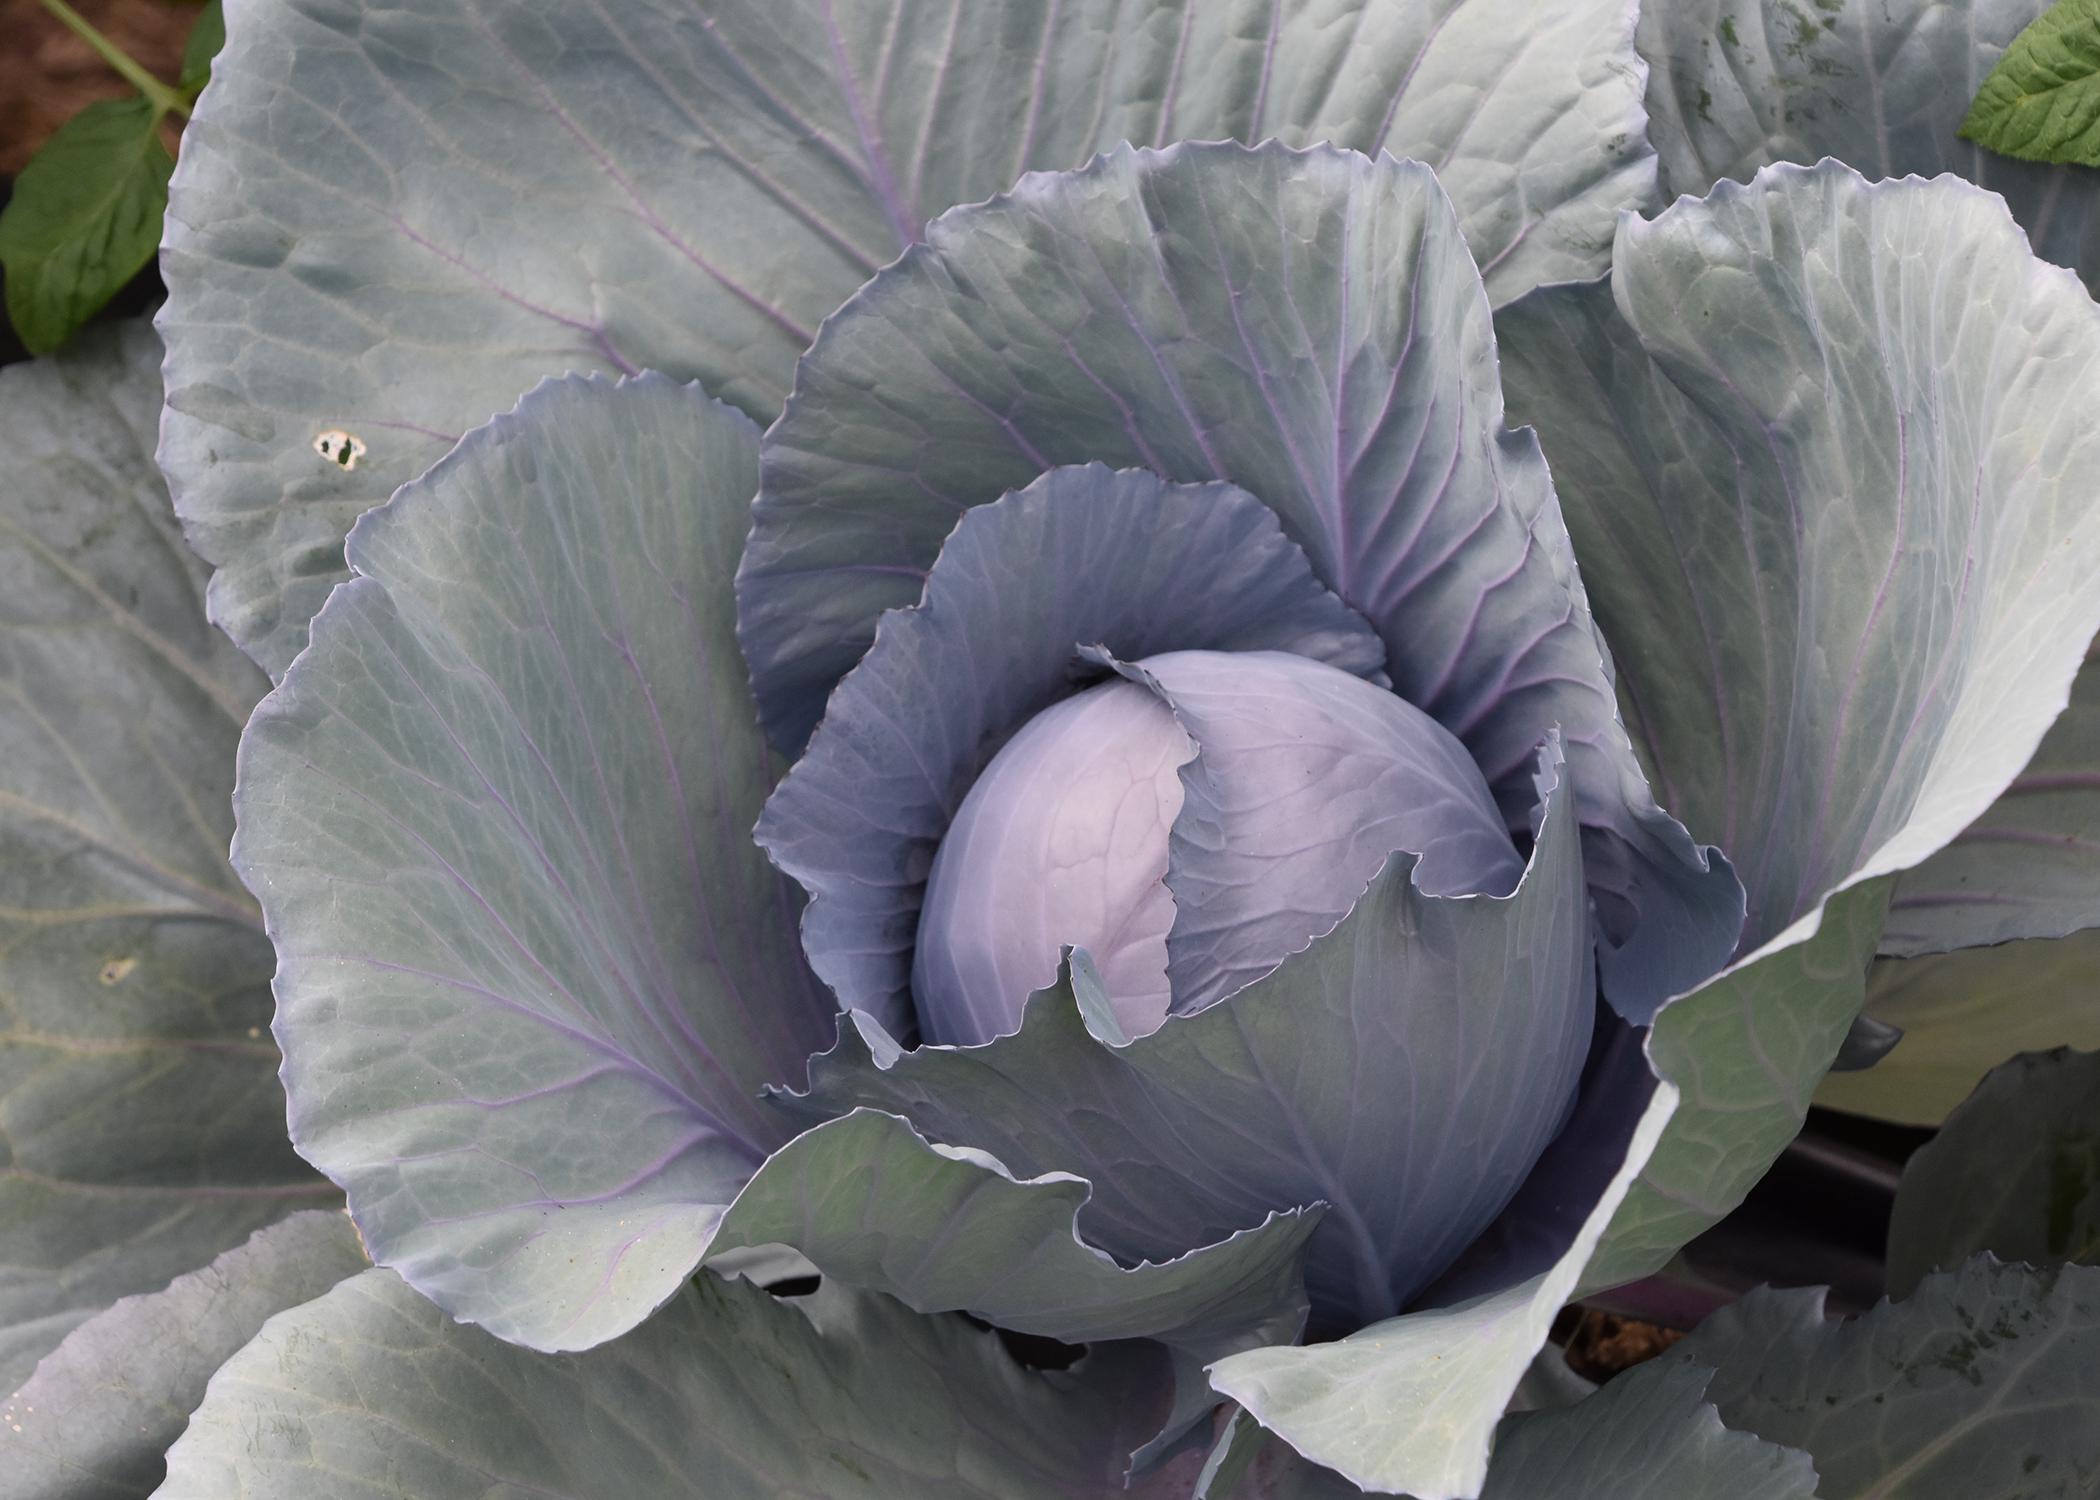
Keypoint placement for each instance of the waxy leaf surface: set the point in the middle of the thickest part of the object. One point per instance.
(141, 1125)
(1305, 325)
(389, 223)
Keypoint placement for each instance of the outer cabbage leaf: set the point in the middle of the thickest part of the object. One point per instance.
(388, 223)
(1734, 85)
(95, 1420)
(1982, 1383)
(1307, 326)
(1304, 1086)
(2030, 866)
(531, 973)
(1649, 1434)
(1964, 1013)
(2015, 1171)
(1082, 555)
(1411, 1404)
(838, 1394)
(870, 1201)
(1838, 521)
(141, 1126)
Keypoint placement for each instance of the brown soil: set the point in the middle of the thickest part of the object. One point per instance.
(47, 73)
(1602, 1344)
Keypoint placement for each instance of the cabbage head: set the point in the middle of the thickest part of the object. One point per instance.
(1067, 758)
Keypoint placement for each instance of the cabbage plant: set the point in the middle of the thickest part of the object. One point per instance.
(1180, 688)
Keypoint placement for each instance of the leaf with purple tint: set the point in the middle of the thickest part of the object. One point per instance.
(1083, 555)
(1305, 325)
(1883, 85)
(387, 223)
(1406, 1069)
(1411, 1404)
(1304, 782)
(944, 1229)
(1839, 528)
(531, 972)
(731, 1392)
(141, 1126)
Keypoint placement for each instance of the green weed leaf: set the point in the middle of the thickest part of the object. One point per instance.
(2042, 101)
(84, 218)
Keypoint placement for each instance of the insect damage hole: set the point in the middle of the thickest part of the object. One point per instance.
(339, 447)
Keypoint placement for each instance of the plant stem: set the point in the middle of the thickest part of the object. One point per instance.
(157, 93)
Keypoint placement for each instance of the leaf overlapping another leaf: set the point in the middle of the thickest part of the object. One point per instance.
(95, 1420)
(1827, 477)
(392, 222)
(839, 1394)
(1307, 326)
(533, 974)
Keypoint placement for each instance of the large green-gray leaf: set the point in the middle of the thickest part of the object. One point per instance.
(95, 1420)
(531, 971)
(1982, 1384)
(729, 1393)
(2030, 866)
(388, 223)
(1881, 85)
(1964, 1013)
(2042, 101)
(1649, 1434)
(1839, 530)
(1410, 1404)
(141, 1126)
(2015, 1171)
(1745, 1049)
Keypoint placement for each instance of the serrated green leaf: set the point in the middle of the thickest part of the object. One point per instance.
(2015, 1171)
(1648, 1435)
(2042, 101)
(207, 36)
(84, 218)
(1982, 1384)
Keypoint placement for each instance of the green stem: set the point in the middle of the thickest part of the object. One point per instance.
(157, 93)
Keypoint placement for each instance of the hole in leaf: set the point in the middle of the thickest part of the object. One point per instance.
(339, 447)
